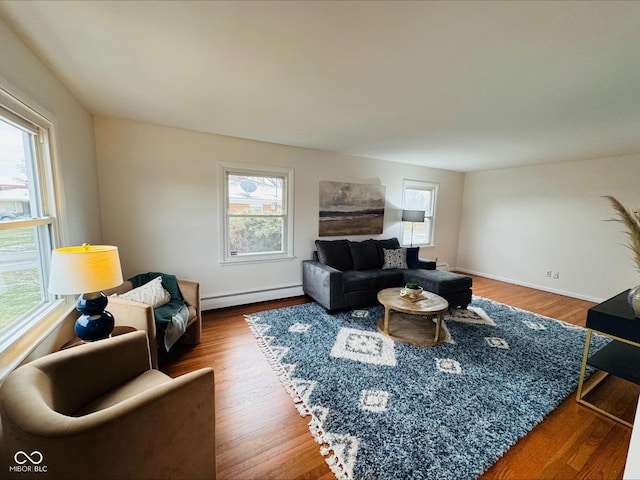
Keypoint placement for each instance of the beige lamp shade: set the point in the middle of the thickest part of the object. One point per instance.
(84, 269)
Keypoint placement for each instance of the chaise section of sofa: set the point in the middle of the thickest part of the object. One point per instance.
(346, 274)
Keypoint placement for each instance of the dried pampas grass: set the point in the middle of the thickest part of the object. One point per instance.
(632, 221)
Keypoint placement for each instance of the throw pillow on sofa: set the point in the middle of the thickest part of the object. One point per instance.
(389, 243)
(394, 258)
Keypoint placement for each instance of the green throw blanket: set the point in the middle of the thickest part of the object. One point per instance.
(165, 314)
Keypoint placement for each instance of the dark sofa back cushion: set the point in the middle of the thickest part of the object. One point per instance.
(335, 253)
(364, 255)
(413, 259)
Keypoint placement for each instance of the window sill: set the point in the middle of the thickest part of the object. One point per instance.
(256, 260)
(20, 344)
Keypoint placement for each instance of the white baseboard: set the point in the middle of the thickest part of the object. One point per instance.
(533, 285)
(212, 302)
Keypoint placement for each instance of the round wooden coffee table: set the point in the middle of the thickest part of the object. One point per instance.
(404, 318)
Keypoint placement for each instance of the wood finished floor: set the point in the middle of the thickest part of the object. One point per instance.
(260, 435)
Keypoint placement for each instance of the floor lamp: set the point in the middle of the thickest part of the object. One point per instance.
(413, 216)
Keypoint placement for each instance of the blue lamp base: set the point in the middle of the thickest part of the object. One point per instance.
(95, 323)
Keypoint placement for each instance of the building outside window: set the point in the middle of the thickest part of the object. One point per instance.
(257, 214)
(27, 216)
(419, 195)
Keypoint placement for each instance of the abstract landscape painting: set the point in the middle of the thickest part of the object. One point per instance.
(350, 209)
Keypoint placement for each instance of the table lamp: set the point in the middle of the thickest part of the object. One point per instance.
(87, 270)
(413, 216)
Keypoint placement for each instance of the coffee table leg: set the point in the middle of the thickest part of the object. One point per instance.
(386, 320)
(438, 323)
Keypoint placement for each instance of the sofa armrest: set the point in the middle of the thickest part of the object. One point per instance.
(427, 264)
(323, 283)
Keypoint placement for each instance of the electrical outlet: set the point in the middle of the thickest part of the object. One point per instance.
(549, 273)
(556, 275)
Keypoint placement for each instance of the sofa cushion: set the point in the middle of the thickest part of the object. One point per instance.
(394, 258)
(387, 278)
(364, 255)
(413, 261)
(354, 280)
(386, 243)
(438, 281)
(335, 253)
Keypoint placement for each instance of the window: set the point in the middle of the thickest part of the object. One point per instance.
(27, 216)
(419, 196)
(257, 217)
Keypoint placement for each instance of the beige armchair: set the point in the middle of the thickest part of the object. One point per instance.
(140, 316)
(99, 411)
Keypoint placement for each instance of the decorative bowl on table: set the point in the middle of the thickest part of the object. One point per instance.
(411, 290)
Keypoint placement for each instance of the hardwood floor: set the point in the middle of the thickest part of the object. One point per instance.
(261, 436)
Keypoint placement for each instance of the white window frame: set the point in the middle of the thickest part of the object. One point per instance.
(226, 169)
(43, 186)
(429, 214)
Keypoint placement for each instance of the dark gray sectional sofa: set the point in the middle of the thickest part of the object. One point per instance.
(345, 274)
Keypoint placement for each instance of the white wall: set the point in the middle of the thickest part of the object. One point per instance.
(518, 223)
(26, 75)
(160, 204)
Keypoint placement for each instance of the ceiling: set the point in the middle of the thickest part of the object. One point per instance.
(456, 85)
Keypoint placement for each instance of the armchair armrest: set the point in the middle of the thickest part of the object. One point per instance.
(137, 315)
(191, 293)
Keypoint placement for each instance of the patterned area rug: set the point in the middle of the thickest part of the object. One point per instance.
(386, 410)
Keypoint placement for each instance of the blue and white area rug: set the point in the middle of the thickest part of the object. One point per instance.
(386, 410)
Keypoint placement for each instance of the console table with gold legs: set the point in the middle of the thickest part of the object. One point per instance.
(613, 319)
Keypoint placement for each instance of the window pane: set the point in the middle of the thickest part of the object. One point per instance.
(421, 233)
(24, 248)
(419, 196)
(256, 235)
(16, 147)
(415, 199)
(20, 278)
(253, 195)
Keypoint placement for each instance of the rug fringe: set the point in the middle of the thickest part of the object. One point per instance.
(315, 426)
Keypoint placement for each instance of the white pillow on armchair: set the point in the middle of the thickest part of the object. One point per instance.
(151, 293)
